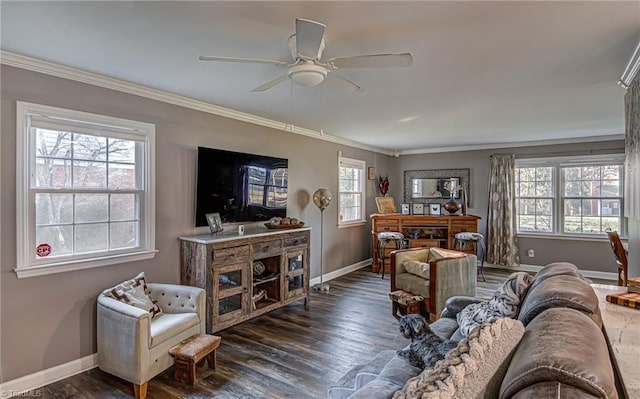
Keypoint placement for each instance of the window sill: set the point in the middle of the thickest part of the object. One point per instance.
(543, 236)
(351, 224)
(61, 267)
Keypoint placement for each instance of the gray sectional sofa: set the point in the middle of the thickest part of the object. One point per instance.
(562, 354)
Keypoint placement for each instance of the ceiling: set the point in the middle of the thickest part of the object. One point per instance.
(485, 74)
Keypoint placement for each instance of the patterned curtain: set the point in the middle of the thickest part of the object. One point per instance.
(502, 242)
(632, 151)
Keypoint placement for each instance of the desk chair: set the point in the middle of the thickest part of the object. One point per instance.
(620, 254)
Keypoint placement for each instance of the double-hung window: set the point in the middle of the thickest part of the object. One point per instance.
(85, 190)
(351, 193)
(535, 197)
(570, 196)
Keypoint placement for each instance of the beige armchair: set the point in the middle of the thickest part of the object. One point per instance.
(134, 346)
(435, 274)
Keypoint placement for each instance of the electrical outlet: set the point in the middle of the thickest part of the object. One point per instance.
(531, 253)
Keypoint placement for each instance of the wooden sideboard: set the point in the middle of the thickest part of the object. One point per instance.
(246, 275)
(420, 231)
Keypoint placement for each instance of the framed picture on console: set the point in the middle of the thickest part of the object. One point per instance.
(215, 222)
(418, 209)
(405, 209)
(434, 209)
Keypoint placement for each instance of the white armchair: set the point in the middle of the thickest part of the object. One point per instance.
(135, 347)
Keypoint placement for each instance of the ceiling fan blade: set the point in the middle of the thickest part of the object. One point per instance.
(243, 60)
(309, 36)
(271, 83)
(372, 61)
(350, 85)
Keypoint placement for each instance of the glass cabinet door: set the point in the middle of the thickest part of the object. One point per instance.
(297, 273)
(230, 284)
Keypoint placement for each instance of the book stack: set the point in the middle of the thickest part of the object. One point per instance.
(633, 285)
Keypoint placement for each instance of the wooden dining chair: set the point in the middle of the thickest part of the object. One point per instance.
(621, 256)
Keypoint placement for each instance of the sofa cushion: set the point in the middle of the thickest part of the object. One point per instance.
(398, 371)
(416, 267)
(474, 369)
(560, 291)
(134, 292)
(413, 284)
(376, 389)
(168, 325)
(552, 389)
(360, 375)
(444, 327)
(372, 369)
(556, 269)
(561, 345)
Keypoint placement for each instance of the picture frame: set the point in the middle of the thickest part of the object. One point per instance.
(371, 173)
(215, 222)
(435, 209)
(386, 205)
(418, 209)
(405, 209)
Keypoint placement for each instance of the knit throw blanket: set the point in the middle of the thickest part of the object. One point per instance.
(505, 303)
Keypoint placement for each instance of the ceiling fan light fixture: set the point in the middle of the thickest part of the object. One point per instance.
(307, 74)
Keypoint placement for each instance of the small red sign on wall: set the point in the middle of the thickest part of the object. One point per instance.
(43, 250)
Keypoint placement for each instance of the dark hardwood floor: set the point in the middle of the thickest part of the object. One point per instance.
(288, 353)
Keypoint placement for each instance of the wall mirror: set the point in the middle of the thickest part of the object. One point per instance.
(433, 184)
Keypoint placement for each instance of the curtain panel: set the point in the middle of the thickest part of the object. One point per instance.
(502, 241)
(632, 151)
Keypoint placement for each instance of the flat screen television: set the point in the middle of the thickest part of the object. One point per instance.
(240, 187)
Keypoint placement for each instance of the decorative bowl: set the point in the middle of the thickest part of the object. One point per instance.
(284, 226)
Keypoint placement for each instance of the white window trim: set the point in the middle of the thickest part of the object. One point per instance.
(353, 163)
(26, 265)
(557, 163)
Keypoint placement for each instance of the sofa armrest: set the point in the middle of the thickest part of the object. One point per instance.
(452, 277)
(123, 333)
(455, 304)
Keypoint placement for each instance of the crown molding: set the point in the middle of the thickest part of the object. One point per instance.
(79, 75)
(511, 145)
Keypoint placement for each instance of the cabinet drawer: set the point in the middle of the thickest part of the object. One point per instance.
(230, 255)
(292, 241)
(426, 221)
(387, 225)
(424, 243)
(266, 248)
(457, 227)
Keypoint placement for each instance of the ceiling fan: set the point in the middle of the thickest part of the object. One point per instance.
(306, 46)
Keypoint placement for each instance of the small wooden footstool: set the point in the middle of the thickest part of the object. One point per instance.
(192, 351)
(406, 302)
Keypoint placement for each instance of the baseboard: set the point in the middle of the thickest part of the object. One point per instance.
(535, 269)
(30, 382)
(41, 378)
(341, 272)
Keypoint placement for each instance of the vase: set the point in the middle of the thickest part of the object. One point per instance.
(452, 206)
